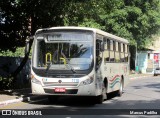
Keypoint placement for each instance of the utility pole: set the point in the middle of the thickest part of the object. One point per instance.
(136, 63)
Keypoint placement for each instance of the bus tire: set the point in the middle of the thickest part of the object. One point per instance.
(120, 91)
(52, 99)
(102, 97)
(99, 99)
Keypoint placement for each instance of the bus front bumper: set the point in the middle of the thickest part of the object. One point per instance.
(84, 90)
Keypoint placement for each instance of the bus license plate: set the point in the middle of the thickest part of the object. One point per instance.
(60, 90)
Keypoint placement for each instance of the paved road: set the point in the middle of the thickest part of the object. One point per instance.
(139, 94)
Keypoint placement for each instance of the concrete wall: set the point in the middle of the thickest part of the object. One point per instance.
(145, 62)
(142, 62)
(10, 64)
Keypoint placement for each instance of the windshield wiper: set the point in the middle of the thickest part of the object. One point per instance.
(48, 67)
(72, 69)
(68, 63)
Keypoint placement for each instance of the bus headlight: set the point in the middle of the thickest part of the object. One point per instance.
(34, 80)
(87, 81)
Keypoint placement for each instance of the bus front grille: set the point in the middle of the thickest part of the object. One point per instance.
(60, 84)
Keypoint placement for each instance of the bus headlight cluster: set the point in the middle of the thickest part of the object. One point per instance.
(87, 81)
(34, 80)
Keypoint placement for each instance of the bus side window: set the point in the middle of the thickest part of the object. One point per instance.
(98, 53)
(106, 49)
(112, 51)
(122, 52)
(117, 56)
(119, 50)
(97, 48)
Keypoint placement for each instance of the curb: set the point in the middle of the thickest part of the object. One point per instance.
(4, 103)
(12, 90)
(134, 78)
(21, 99)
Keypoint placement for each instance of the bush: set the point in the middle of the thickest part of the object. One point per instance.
(6, 83)
(18, 53)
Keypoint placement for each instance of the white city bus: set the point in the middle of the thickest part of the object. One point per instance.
(78, 61)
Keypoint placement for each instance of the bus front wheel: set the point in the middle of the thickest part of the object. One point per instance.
(102, 97)
(99, 99)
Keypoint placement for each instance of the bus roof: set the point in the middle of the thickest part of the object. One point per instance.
(98, 31)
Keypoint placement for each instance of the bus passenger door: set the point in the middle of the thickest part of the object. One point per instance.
(98, 65)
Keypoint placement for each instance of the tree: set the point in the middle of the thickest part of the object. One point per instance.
(134, 20)
(17, 15)
(12, 30)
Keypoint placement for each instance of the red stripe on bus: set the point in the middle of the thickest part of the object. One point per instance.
(114, 78)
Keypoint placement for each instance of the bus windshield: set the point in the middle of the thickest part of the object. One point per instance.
(64, 51)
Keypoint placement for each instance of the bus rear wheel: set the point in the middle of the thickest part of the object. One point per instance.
(120, 91)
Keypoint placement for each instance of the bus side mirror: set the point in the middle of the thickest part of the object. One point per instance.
(28, 44)
(27, 47)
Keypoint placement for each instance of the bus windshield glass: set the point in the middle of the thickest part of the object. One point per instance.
(64, 51)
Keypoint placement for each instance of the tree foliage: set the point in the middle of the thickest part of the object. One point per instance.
(12, 25)
(15, 16)
(135, 20)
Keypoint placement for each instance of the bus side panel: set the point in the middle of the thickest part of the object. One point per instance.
(113, 76)
(114, 73)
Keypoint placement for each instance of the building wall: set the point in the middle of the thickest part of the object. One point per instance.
(148, 61)
(142, 59)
